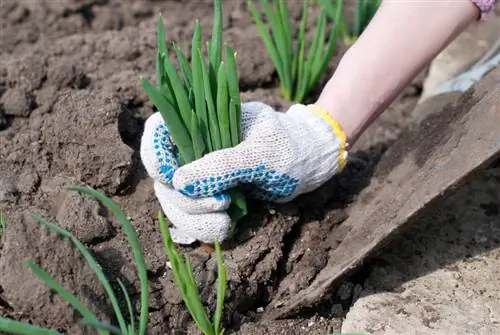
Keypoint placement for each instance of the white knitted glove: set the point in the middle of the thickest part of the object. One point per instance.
(282, 155)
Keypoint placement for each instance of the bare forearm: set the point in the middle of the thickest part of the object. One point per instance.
(401, 39)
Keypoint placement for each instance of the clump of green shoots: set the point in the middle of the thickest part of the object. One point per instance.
(200, 103)
(299, 66)
(184, 279)
(363, 13)
(124, 328)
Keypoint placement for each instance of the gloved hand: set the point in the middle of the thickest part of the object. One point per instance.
(282, 155)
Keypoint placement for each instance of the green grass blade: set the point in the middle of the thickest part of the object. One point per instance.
(173, 121)
(159, 70)
(332, 43)
(287, 28)
(109, 329)
(233, 124)
(213, 122)
(183, 281)
(279, 37)
(223, 107)
(308, 66)
(234, 96)
(184, 66)
(135, 245)
(221, 288)
(298, 63)
(180, 93)
(198, 87)
(160, 36)
(10, 326)
(333, 12)
(3, 222)
(129, 305)
(216, 45)
(271, 49)
(198, 141)
(166, 87)
(357, 16)
(193, 296)
(92, 263)
(61, 291)
(318, 54)
(314, 44)
(212, 75)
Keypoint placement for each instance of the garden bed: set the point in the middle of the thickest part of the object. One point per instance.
(72, 111)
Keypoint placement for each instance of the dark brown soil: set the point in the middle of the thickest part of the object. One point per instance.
(71, 111)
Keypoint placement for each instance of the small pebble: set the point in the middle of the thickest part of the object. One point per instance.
(16, 102)
(344, 292)
(356, 292)
(260, 309)
(337, 311)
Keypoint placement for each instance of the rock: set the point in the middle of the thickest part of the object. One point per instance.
(17, 102)
(344, 292)
(28, 182)
(441, 278)
(84, 217)
(8, 190)
(337, 311)
(66, 74)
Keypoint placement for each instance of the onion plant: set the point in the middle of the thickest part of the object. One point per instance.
(299, 65)
(199, 101)
(363, 13)
(124, 327)
(184, 279)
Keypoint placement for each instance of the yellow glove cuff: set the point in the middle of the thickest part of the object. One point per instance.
(336, 129)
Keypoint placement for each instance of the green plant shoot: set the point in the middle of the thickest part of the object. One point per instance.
(299, 65)
(184, 278)
(200, 103)
(363, 13)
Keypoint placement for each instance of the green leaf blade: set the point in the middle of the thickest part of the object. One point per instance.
(221, 288)
(184, 66)
(234, 96)
(16, 327)
(223, 107)
(173, 121)
(198, 140)
(213, 122)
(216, 45)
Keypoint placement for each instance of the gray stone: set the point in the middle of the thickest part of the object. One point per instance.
(16, 102)
(443, 275)
(344, 292)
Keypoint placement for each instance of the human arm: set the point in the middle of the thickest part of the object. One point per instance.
(399, 41)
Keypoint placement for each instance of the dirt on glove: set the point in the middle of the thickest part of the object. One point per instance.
(71, 111)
